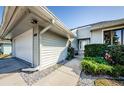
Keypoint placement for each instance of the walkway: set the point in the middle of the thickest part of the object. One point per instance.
(66, 75)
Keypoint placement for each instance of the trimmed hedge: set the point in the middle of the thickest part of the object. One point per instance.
(98, 50)
(95, 50)
(91, 65)
(100, 60)
(117, 53)
(95, 67)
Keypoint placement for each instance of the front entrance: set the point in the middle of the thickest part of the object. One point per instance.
(82, 44)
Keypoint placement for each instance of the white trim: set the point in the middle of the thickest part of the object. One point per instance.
(43, 13)
(45, 29)
(102, 36)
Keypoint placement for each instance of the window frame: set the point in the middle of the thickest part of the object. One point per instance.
(111, 40)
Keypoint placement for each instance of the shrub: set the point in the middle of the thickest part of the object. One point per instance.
(104, 69)
(96, 66)
(89, 67)
(117, 53)
(70, 52)
(100, 60)
(118, 70)
(95, 50)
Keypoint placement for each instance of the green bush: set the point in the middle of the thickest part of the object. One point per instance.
(118, 70)
(117, 53)
(95, 50)
(96, 66)
(104, 69)
(70, 53)
(100, 60)
(89, 67)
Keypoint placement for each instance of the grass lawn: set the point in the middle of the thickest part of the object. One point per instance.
(108, 82)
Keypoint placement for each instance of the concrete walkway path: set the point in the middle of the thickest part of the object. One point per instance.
(11, 79)
(66, 75)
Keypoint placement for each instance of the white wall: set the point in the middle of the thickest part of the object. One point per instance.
(23, 46)
(74, 32)
(84, 32)
(96, 36)
(52, 49)
(74, 42)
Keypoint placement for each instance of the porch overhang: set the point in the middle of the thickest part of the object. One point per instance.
(21, 19)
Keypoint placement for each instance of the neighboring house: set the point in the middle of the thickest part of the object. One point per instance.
(37, 36)
(5, 47)
(109, 32)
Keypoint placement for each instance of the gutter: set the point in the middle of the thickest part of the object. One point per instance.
(58, 23)
(8, 23)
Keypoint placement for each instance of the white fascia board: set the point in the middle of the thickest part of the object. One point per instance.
(49, 16)
(5, 20)
(45, 14)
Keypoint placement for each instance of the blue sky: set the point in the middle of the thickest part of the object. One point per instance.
(75, 16)
(79, 16)
(1, 13)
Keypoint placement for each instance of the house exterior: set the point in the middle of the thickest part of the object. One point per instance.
(37, 35)
(108, 32)
(5, 47)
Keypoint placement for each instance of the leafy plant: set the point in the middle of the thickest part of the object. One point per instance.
(118, 70)
(117, 53)
(95, 50)
(70, 52)
(100, 60)
(96, 66)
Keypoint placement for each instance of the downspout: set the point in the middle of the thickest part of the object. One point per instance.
(32, 69)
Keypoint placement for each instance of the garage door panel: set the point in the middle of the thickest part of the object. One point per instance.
(23, 46)
(53, 49)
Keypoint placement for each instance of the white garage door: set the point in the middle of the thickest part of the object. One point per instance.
(23, 46)
(52, 49)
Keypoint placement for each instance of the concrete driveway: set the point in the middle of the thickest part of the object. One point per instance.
(9, 72)
(66, 75)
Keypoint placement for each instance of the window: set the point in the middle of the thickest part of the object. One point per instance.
(107, 37)
(115, 37)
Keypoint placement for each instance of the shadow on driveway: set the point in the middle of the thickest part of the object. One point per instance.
(10, 65)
